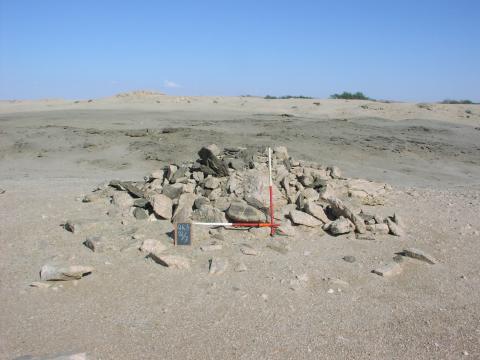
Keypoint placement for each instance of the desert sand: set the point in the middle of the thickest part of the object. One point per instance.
(307, 303)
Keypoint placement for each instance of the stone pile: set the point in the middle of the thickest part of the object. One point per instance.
(232, 186)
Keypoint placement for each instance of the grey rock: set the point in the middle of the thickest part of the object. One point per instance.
(316, 211)
(349, 258)
(211, 164)
(212, 182)
(215, 194)
(236, 164)
(301, 218)
(214, 149)
(96, 243)
(140, 214)
(170, 171)
(340, 209)
(162, 206)
(208, 214)
(394, 228)
(183, 212)
(390, 269)
(122, 200)
(378, 229)
(245, 213)
(419, 255)
(222, 203)
(173, 191)
(201, 201)
(2, 191)
(141, 202)
(341, 226)
(335, 172)
(56, 273)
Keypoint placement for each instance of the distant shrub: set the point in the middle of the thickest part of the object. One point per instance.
(350, 96)
(450, 101)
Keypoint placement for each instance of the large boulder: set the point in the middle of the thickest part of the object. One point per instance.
(245, 213)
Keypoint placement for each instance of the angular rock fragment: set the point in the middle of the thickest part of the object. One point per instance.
(381, 229)
(122, 200)
(162, 206)
(211, 164)
(183, 212)
(96, 243)
(301, 218)
(57, 273)
(222, 203)
(173, 191)
(394, 228)
(419, 255)
(201, 201)
(211, 182)
(316, 211)
(340, 226)
(209, 214)
(140, 214)
(340, 209)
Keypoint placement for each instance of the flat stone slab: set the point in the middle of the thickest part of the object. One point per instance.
(419, 255)
(388, 270)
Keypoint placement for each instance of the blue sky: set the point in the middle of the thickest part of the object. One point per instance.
(401, 50)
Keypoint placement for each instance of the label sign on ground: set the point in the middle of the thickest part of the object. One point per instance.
(183, 234)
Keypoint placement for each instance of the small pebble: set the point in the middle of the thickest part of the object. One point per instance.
(349, 258)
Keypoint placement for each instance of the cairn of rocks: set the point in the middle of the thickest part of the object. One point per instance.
(231, 185)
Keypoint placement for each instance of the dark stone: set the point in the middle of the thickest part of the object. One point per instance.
(140, 214)
(236, 164)
(212, 163)
(141, 203)
(349, 258)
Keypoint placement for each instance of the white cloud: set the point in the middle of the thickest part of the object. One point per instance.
(170, 84)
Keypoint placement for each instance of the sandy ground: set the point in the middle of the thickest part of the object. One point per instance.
(54, 151)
